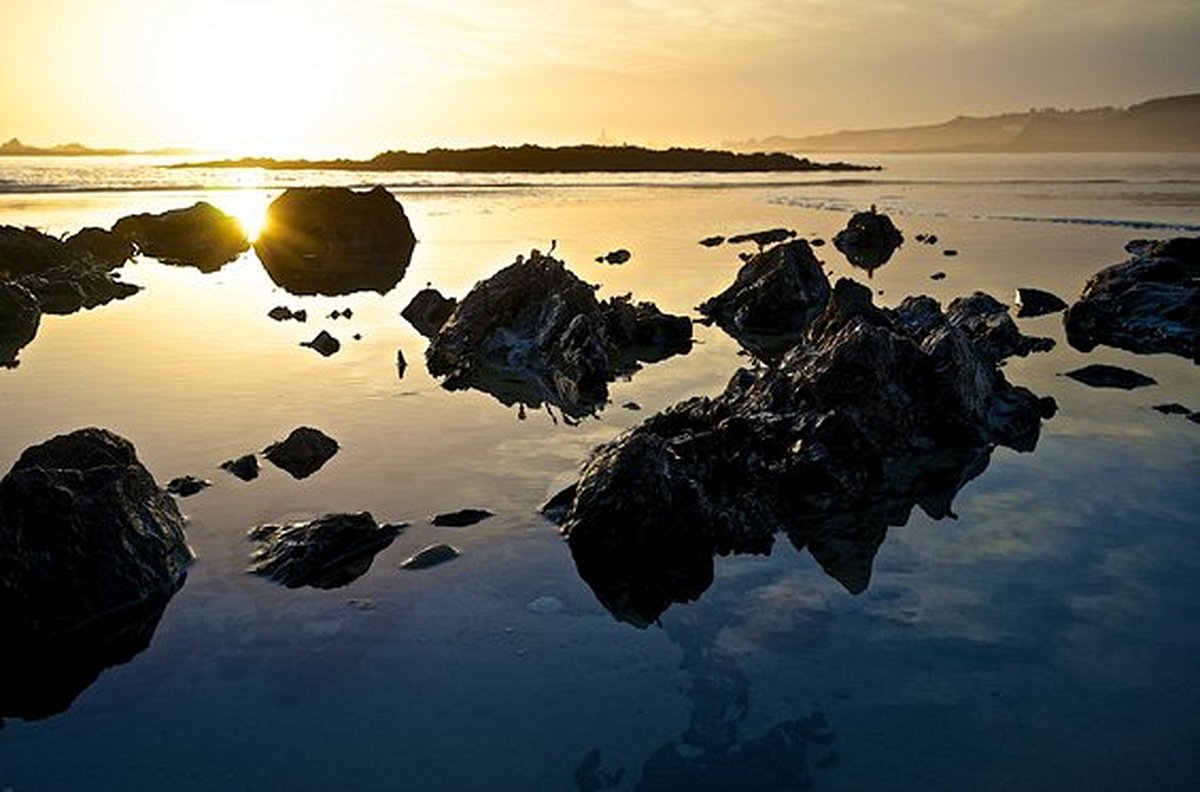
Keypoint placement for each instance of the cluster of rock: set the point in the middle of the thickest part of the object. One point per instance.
(534, 332)
(1149, 303)
(875, 411)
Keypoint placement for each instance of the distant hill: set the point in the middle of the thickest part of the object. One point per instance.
(1168, 124)
(542, 159)
(15, 148)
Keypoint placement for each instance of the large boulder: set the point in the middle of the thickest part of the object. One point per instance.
(868, 240)
(875, 412)
(200, 236)
(1146, 304)
(91, 550)
(773, 299)
(328, 552)
(428, 311)
(534, 332)
(19, 319)
(333, 240)
(303, 452)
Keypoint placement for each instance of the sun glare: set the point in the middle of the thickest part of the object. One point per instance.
(248, 205)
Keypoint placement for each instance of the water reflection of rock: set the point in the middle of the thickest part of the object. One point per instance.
(868, 240)
(91, 551)
(876, 412)
(333, 241)
(534, 334)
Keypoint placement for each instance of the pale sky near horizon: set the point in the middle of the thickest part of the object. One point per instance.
(352, 77)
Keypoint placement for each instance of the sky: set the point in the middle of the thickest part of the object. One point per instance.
(354, 77)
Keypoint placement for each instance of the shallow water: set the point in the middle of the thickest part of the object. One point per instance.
(1042, 640)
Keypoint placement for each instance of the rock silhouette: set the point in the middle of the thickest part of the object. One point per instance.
(200, 236)
(325, 553)
(868, 240)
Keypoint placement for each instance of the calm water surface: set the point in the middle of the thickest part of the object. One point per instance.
(1044, 639)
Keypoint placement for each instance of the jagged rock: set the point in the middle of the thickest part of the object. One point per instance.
(986, 321)
(325, 553)
(333, 240)
(875, 412)
(303, 452)
(91, 550)
(19, 320)
(1149, 303)
(186, 486)
(775, 296)
(763, 238)
(868, 240)
(534, 332)
(106, 248)
(1100, 375)
(62, 277)
(461, 518)
(428, 310)
(430, 557)
(244, 467)
(200, 236)
(618, 256)
(324, 343)
(712, 241)
(401, 364)
(1035, 302)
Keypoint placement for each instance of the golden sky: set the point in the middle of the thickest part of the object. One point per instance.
(352, 77)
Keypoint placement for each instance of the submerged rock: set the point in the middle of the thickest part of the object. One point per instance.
(325, 553)
(534, 332)
(19, 320)
(868, 240)
(333, 241)
(428, 311)
(1100, 375)
(430, 557)
(461, 518)
(91, 550)
(1149, 303)
(775, 296)
(186, 486)
(200, 236)
(244, 467)
(303, 452)
(877, 411)
(1035, 302)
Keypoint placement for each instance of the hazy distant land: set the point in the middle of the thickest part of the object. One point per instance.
(542, 159)
(15, 148)
(1168, 124)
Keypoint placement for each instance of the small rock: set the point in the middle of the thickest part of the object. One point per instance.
(817, 242)
(712, 241)
(1035, 302)
(1194, 417)
(430, 557)
(949, 252)
(618, 256)
(335, 315)
(1100, 375)
(357, 336)
(428, 311)
(347, 313)
(1172, 409)
(244, 467)
(461, 518)
(632, 406)
(401, 364)
(303, 452)
(938, 276)
(183, 486)
(280, 313)
(324, 343)
(325, 553)
(301, 315)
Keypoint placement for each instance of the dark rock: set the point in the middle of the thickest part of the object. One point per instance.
(430, 557)
(712, 241)
(1194, 417)
(303, 452)
(1100, 375)
(244, 467)
(461, 518)
(1149, 303)
(200, 236)
(91, 550)
(618, 256)
(817, 242)
(333, 240)
(61, 277)
(325, 553)
(1035, 302)
(281, 313)
(763, 238)
(877, 411)
(1172, 409)
(632, 406)
(401, 364)
(868, 240)
(428, 310)
(324, 343)
(534, 332)
(773, 299)
(949, 252)
(27, 251)
(107, 248)
(19, 320)
(937, 276)
(185, 486)
(986, 321)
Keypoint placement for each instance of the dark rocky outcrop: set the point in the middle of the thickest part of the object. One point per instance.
(775, 296)
(325, 553)
(986, 321)
(244, 467)
(303, 452)
(63, 276)
(615, 257)
(868, 240)
(107, 248)
(1035, 302)
(19, 320)
(200, 236)
(712, 241)
(1101, 375)
(461, 518)
(875, 412)
(428, 310)
(281, 313)
(763, 238)
(1149, 303)
(333, 240)
(534, 333)
(91, 550)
